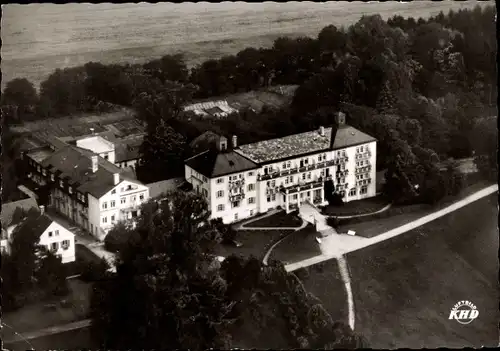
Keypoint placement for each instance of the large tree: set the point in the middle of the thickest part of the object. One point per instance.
(20, 97)
(167, 291)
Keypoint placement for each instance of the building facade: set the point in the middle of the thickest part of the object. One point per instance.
(241, 181)
(86, 187)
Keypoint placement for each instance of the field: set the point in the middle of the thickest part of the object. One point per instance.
(404, 288)
(37, 39)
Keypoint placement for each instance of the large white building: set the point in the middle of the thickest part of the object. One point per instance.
(242, 181)
(85, 186)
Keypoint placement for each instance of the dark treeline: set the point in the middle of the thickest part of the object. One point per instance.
(418, 86)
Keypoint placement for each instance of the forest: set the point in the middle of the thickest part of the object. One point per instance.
(422, 87)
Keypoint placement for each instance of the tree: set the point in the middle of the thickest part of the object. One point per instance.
(21, 95)
(162, 153)
(167, 292)
(484, 139)
(108, 83)
(168, 68)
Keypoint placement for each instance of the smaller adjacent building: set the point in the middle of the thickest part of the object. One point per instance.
(52, 235)
(11, 215)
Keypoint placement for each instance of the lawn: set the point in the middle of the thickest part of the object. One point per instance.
(297, 246)
(255, 243)
(404, 288)
(40, 315)
(278, 220)
(358, 207)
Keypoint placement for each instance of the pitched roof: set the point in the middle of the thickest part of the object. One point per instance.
(76, 164)
(8, 209)
(34, 223)
(301, 144)
(164, 186)
(128, 149)
(212, 163)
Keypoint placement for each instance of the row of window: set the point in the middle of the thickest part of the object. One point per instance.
(363, 176)
(105, 219)
(362, 191)
(123, 200)
(362, 148)
(55, 246)
(362, 163)
(235, 204)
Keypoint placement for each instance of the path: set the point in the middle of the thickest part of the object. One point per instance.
(337, 245)
(365, 214)
(84, 238)
(346, 278)
(48, 331)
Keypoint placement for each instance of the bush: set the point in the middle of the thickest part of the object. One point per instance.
(227, 232)
(332, 222)
(92, 271)
(336, 200)
(117, 237)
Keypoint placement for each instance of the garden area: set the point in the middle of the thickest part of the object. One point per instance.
(358, 207)
(278, 220)
(254, 243)
(297, 246)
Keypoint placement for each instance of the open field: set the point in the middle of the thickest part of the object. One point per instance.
(404, 288)
(37, 39)
(358, 207)
(297, 246)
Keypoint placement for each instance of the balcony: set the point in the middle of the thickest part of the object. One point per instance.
(237, 197)
(301, 187)
(364, 182)
(363, 155)
(363, 169)
(236, 183)
(342, 173)
(296, 169)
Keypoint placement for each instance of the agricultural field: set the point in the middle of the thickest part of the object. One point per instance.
(39, 38)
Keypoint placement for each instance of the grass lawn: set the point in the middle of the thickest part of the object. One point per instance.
(324, 282)
(404, 288)
(38, 315)
(357, 207)
(255, 243)
(278, 220)
(297, 246)
(78, 339)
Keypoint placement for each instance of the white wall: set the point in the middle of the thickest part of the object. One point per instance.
(58, 235)
(98, 145)
(94, 216)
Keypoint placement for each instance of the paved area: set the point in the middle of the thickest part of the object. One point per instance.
(48, 331)
(334, 246)
(365, 214)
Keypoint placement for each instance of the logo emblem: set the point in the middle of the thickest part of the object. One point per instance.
(464, 312)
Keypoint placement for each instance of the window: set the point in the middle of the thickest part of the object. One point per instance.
(360, 149)
(309, 175)
(104, 219)
(123, 200)
(61, 183)
(251, 200)
(205, 179)
(236, 204)
(251, 187)
(113, 191)
(104, 205)
(269, 199)
(52, 177)
(251, 212)
(241, 176)
(273, 197)
(303, 176)
(294, 196)
(220, 208)
(273, 183)
(352, 192)
(268, 183)
(364, 189)
(204, 192)
(220, 193)
(133, 198)
(54, 246)
(286, 180)
(235, 216)
(284, 165)
(250, 174)
(288, 164)
(220, 180)
(112, 218)
(106, 156)
(50, 234)
(112, 203)
(141, 197)
(65, 244)
(57, 232)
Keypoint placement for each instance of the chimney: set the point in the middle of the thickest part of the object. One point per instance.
(235, 142)
(116, 178)
(340, 118)
(95, 164)
(322, 131)
(42, 209)
(222, 146)
(92, 131)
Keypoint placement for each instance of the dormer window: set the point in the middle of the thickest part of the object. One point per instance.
(52, 177)
(61, 184)
(70, 190)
